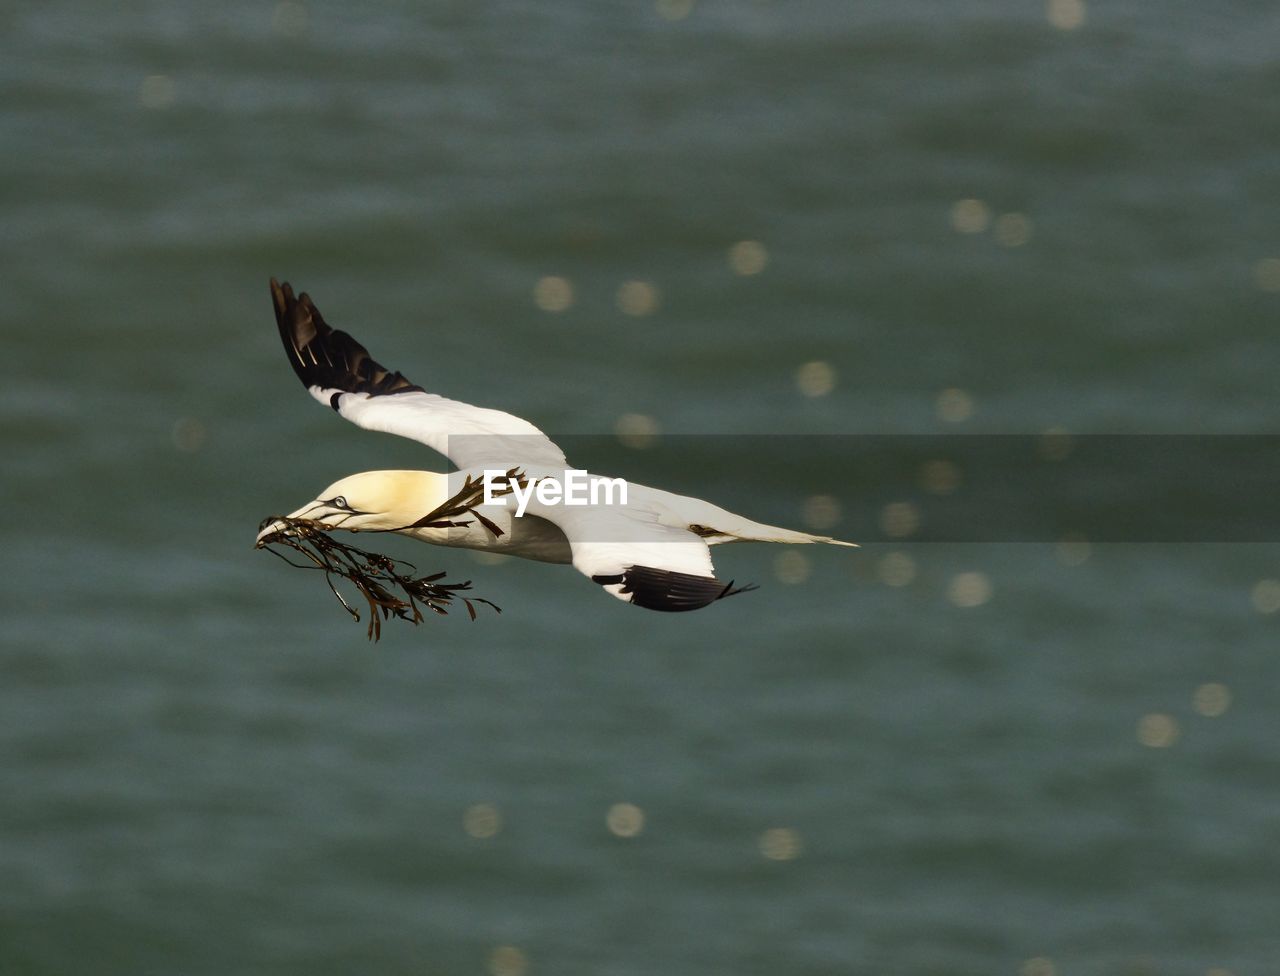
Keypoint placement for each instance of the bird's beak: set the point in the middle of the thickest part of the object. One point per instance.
(273, 527)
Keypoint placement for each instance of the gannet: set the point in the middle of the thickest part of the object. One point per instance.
(651, 551)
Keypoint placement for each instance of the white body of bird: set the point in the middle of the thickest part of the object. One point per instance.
(651, 551)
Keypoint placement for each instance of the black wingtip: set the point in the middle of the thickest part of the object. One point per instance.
(671, 592)
(290, 322)
(277, 297)
(327, 358)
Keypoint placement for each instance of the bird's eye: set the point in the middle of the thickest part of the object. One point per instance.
(339, 502)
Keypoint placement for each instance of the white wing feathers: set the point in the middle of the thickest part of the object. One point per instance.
(470, 437)
(340, 373)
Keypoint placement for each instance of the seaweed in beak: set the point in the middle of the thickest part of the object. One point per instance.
(377, 577)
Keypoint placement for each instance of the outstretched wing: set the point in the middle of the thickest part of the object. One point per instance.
(340, 373)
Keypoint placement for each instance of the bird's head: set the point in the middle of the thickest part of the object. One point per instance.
(372, 501)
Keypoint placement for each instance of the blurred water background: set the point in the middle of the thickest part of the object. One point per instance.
(700, 217)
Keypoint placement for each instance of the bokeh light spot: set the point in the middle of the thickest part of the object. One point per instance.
(816, 379)
(636, 431)
(482, 821)
(969, 589)
(781, 844)
(896, 569)
(1211, 699)
(822, 512)
(1038, 966)
(1266, 596)
(638, 298)
(970, 216)
(674, 9)
(1013, 229)
(1158, 730)
(508, 961)
(954, 405)
(748, 258)
(1066, 15)
(553, 293)
(791, 567)
(1267, 274)
(940, 477)
(898, 520)
(156, 91)
(624, 820)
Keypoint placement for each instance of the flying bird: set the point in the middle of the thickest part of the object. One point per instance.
(651, 551)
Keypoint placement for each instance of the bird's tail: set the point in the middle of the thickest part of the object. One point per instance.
(744, 530)
(717, 525)
(772, 533)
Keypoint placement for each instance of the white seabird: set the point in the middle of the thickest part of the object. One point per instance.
(651, 551)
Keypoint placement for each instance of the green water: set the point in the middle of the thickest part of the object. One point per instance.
(1006, 762)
